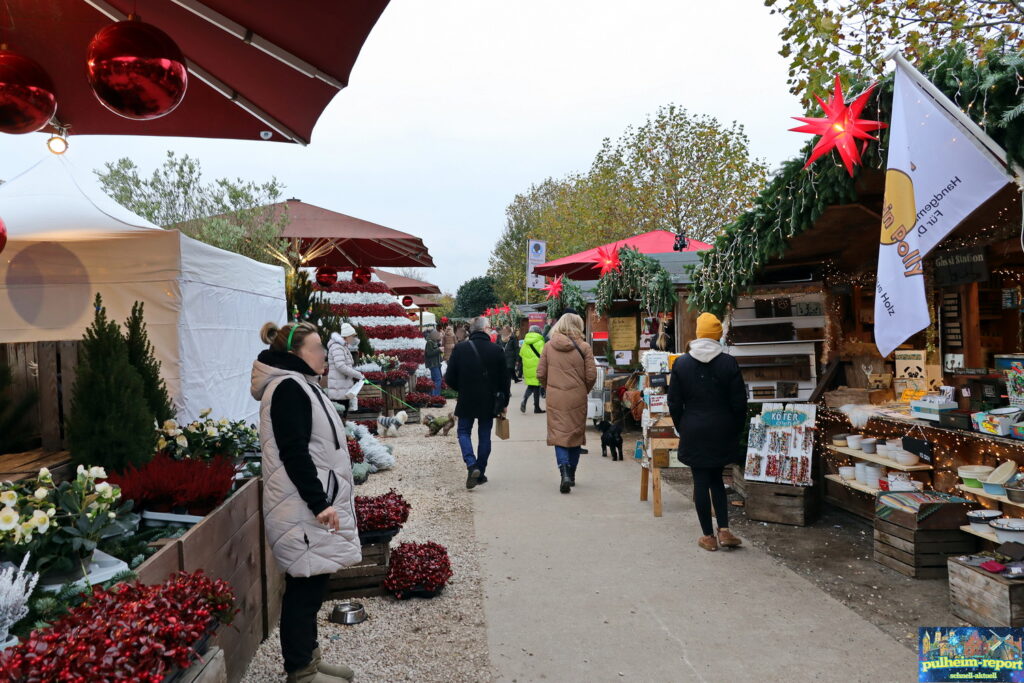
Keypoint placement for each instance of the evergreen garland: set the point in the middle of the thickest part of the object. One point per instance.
(571, 296)
(990, 92)
(639, 278)
(110, 424)
(140, 355)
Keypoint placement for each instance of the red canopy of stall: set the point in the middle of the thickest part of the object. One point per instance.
(400, 284)
(584, 266)
(258, 70)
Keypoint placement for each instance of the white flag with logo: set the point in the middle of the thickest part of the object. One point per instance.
(936, 177)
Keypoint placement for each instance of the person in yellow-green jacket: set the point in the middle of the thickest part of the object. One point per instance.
(533, 345)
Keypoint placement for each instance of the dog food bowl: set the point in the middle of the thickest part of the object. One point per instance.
(979, 519)
(348, 613)
(848, 473)
(1008, 529)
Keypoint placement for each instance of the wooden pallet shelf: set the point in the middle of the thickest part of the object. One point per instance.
(981, 493)
(855, 485)
(967, 529)
(879, 459)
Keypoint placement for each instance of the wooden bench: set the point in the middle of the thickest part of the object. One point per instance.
(17, 466)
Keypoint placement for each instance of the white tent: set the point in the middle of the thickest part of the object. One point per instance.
(203, 306)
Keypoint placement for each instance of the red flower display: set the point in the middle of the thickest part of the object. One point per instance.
(355, 453)
(131, 632)
(608, 259)
(553, 288)
(378, 513)
(418, 568)
(393, 332)
(164, 484)
(367, 310)
(426, 385)
(841, 128)
(413, 356)
(423, 400)
(350, 287)
(370, 404)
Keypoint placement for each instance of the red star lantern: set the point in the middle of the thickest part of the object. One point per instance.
(554, 288)
(608, 260)
(841, 128)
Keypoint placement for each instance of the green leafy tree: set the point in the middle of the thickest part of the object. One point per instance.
(14, 414)
(142, 358)
(474, 296)
(110, 424)
(446, 305)
(825, 37)
(230, 214)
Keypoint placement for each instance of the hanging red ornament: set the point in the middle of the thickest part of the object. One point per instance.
(27, 99)
(326, 276)
(553, 288)
(136, 70)
(407, 301)
(361, 275)
(3, 235)
(444, 319)
(608, 259)
(841, 128)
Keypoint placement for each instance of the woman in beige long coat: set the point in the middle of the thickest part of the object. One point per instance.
(568, 372)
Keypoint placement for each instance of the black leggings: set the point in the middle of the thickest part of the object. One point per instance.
(299, 607)
(535, 391)
(708, 490)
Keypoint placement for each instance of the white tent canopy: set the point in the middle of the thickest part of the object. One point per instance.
(203, 306)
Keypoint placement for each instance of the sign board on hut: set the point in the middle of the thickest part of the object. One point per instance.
(961, 267)
(623, 333)
(780, 444)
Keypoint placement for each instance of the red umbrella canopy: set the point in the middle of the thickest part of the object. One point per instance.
(400, 284)
(258, 69)
(349, 242)
(586, 266)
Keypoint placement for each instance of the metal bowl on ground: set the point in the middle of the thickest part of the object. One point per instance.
(348, 613)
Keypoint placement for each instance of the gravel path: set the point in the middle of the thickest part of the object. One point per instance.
(444, 639)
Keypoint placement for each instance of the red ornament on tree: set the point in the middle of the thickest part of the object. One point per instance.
(27, 100)
(3, 235)
(136, 70)
(553, 288)
(407, 301)
(326, 276)
(841, 128)
(361, 275)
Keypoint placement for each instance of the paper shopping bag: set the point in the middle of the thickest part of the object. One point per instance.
(501, 428)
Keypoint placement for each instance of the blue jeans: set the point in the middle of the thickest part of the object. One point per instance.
(435, 374)
(566, 455)
(465, 432)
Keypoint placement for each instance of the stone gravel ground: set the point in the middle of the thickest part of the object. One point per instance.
(444, 639)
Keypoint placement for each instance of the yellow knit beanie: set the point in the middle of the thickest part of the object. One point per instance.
(709, 327)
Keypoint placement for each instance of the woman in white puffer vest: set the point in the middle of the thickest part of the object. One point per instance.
(308, 495)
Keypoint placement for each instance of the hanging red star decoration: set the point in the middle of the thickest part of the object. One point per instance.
(554, 288)
(607, 259)
(841, 128)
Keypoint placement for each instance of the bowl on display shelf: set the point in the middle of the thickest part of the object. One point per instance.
(973, 475)
(979, 519)
(1008, 529)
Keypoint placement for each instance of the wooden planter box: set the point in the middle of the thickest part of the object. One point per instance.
(781, 503)
(227, 544)
(920, 553)
(365, 579)
(984, 599)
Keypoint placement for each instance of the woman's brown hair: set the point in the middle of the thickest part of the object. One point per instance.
(277, 337)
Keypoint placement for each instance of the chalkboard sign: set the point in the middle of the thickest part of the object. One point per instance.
(961, 267)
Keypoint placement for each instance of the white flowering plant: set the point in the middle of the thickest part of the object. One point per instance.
(60, 525)
(207, 438)
(382, 360)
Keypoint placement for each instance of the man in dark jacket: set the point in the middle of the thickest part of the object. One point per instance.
(432, 359)
(478, 372)
(708, 403)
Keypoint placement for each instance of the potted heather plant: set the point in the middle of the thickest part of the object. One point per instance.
(380, 518)
(175, 492)
(418, 570)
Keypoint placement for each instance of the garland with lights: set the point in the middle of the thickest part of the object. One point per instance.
(989, 92)
(640, 278)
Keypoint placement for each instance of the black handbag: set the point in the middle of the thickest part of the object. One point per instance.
(500, 400)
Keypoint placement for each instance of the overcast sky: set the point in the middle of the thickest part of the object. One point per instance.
(454, 106)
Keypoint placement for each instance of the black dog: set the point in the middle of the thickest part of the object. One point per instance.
(611, 437)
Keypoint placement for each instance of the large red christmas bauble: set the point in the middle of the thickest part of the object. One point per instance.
(326, 276)
(136, 70)
(3, 235)
(361, 276)
(407, 301)
(27, 100)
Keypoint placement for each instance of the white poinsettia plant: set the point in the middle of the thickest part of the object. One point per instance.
(382, 361)
(207, 438)
(60, 525)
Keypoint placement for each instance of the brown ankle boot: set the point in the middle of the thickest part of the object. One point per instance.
(708, 543)
(728, 540)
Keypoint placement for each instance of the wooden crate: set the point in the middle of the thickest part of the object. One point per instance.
(918, 553)
(365, 579)
(739, 482)
(984, 599)
(857, 502)
(780, 503)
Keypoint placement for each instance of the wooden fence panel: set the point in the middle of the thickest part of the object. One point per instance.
(49, 411)
(68, 354)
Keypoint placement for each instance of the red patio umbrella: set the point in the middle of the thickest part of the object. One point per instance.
(400, 284)
(422, 302)
(258, 69)
(344, 242)
(583, 266)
